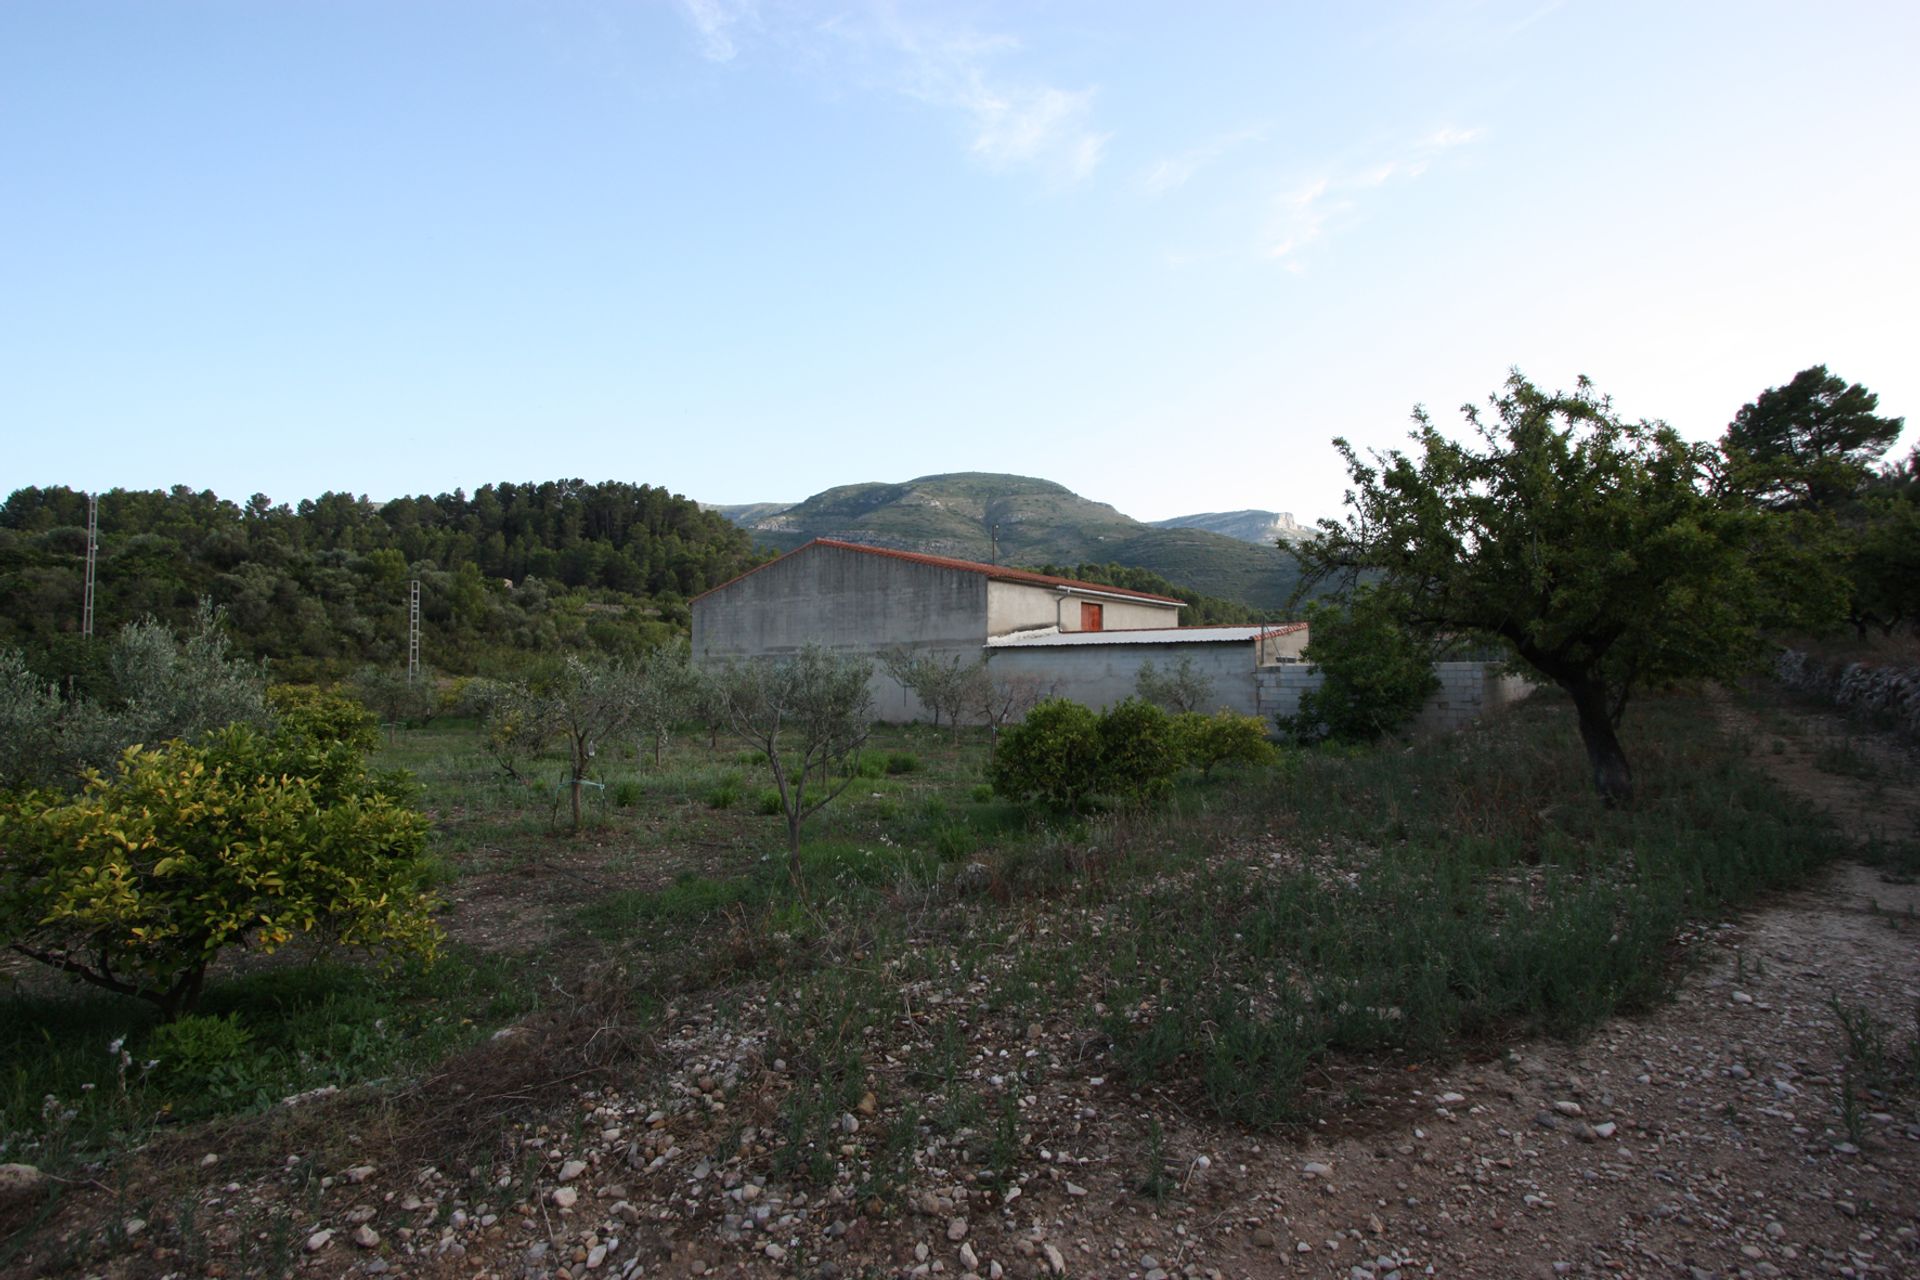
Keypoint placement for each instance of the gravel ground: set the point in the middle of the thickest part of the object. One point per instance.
(1708, 1139)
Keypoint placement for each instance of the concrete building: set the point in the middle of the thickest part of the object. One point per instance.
(867, 600)
(1100, 668)
(1056, 636)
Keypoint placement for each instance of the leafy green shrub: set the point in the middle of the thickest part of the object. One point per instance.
(1139, 755)
(954, 841)
(725, 793)
(770, 803)
(1377, 674)
(1225, 736)
(196, 1051)
(1051, 758)
(319, 716)
(626, 793)
(899, 762)
(983, 793)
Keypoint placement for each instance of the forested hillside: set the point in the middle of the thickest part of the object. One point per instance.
(322, 586)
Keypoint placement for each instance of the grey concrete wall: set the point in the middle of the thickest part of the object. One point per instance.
(1099, 675)
(1021, 606)
(1468, 692)
(849, 602)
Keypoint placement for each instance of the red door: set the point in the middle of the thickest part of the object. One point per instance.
(1089, 616)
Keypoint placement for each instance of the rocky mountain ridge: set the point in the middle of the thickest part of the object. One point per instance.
(1010, 519)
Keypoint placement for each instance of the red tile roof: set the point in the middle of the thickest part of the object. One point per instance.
(998, 573)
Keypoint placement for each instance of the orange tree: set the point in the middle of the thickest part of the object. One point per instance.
(182, 851)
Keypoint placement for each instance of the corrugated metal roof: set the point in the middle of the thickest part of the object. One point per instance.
(1049, 637)
(997, 572)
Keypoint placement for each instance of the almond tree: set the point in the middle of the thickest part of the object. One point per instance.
(1604, 554)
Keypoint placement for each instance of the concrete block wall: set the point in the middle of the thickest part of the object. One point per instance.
(1099, 675)
(1469, 691)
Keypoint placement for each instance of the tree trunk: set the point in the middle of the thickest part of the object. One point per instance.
(183, 997)
(1612, 775)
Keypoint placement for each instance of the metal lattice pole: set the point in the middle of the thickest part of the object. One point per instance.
(413, 633)
(93, 555)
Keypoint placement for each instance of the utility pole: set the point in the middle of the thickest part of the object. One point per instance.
(413, 633)
(996, 543)
(93, 555)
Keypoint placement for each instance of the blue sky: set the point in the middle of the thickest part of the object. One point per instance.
(747, 250)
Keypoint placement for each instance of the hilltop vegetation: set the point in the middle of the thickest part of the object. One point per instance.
(977, 515)
(512, 570)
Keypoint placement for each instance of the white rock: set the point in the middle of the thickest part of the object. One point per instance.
(1075, 1189)
(1055, 1262)
(319, 1240)
(21, 1182)
(957, 1229)
(1317, 1169)
(572, 1169)
(565, 1197)
(366, 1237)
(968, 1258)
(1568, 1108)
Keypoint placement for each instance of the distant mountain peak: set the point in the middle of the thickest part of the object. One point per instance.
(1025, 520)
(1262, 528)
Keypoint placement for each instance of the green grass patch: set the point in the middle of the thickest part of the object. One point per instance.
(82, 1074)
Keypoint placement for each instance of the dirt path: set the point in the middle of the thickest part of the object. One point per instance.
(1708, 1139)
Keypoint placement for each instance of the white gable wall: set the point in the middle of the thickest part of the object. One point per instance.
(1022, 606)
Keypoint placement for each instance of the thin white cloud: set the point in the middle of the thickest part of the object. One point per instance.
(1304, 215)
(1013, 127)
(1009, 122)
(1176, 171)
(713, 22)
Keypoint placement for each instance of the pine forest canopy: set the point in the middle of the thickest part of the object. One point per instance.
(322, 585)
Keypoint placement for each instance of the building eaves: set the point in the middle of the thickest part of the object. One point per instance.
(1053, 637)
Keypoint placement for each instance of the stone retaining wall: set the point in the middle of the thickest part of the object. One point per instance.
(1889, 692)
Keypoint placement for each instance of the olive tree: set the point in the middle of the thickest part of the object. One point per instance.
(584, 702)
(808, 715)
(666, 689)
(153, 686)
(1603, 553)
(1178, 689)
(945, 683)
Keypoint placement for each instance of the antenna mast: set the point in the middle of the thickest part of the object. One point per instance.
(413, 633)
(93, 554)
